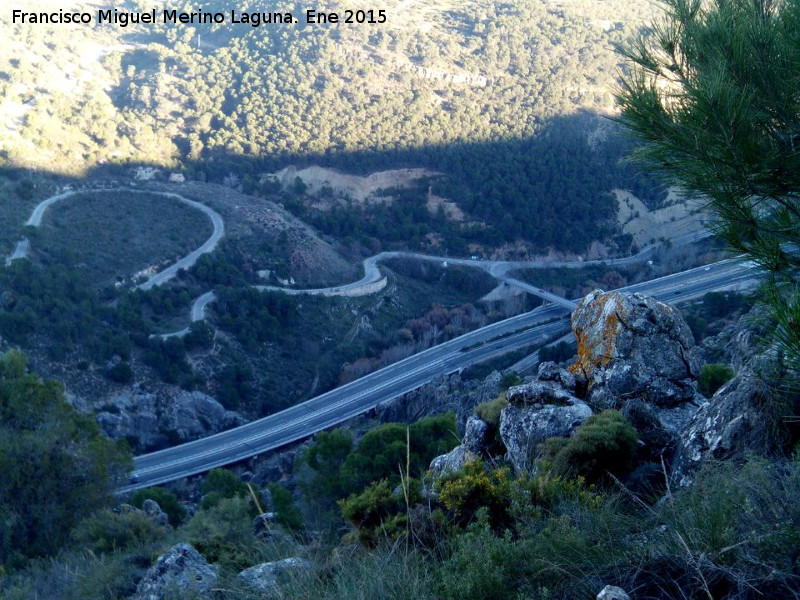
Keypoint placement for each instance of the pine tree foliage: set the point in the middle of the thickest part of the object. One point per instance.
(714, 91)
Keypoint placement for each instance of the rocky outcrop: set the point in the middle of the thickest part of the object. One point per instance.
(264, 522)
(739, 419)
(156, 419)
(472, 446)
(180, 572)
(537, 411)
(630, 345)
(266, 578)
(476, 435)
(153, 510)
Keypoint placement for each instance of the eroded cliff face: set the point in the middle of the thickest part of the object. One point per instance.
(631, 345)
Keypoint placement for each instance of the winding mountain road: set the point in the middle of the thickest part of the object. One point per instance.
(35, 220)
(374, 281)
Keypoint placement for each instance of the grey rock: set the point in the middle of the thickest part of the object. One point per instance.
(612, 592)
(632, 345)
(523, 428)
(179, 572)
(267, 577)
(738, 344)
(154, 418)
(540, 392)
(451, 462)
(738, 420)
(550, 371)
(264, 522)
(473, 446)
(476, 435)
(153, 510)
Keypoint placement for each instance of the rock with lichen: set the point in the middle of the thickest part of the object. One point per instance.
(180, 572)
(631, 345)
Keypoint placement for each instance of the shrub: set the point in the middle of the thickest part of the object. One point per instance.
(287, 513)
(165, 499)
(120, 372)
(377, 512)
(712, 377)
(473, 488)
(490, 413)
(604, 443)
(107, 531)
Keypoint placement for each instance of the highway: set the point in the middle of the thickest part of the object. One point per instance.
(362, 395)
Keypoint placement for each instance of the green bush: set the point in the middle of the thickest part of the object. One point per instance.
(165, 499)
(121, 373)
(510, 379)
(57, 466)
(490, 413)
(107, 531)
(604, 443)
(712, 377)
(475, 488)
(341, 470)
(287, 513)
(378, 513)
(224, 534)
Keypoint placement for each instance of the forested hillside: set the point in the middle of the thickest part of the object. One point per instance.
(501, 98)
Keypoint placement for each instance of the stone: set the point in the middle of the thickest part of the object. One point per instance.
(267, 577)
(473, 446)
(523, 428)
(738, 420)
(179, 572)
(451, 462)
(264, 522)
(633, 345)
(612, 592)
(476, 435)
(148, 417)
(540, 392)
(550, 371)
(153, 510)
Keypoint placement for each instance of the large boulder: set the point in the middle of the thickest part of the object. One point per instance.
(537, 411)
(472, 446)
(630, 345)
(180, 572)
(739, 419)
(156, 419)
(153, 510)
(266, 578)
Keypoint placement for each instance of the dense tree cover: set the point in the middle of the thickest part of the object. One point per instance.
(57, 467)
(714, 92)
(490, 97)
(254, 317)
(54, 303)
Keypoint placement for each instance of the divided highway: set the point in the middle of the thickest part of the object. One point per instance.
(362, 395)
